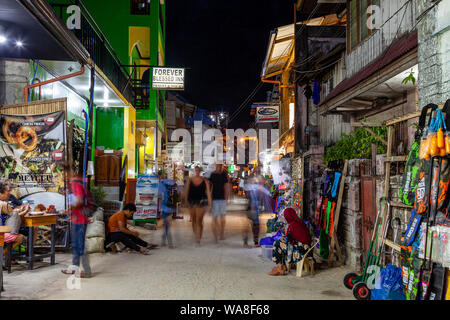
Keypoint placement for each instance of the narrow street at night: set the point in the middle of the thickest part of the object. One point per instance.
(224, 271)
(224, 159)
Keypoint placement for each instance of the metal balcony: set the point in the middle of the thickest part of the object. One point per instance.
(100, 50)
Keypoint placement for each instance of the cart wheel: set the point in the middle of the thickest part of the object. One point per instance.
(361, 292)
(348, 280)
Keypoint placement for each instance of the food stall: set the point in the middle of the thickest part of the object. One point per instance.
(33, 151)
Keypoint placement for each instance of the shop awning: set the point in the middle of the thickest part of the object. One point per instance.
(281, 44)
(360, 91)
(279, 51)
(31, 30)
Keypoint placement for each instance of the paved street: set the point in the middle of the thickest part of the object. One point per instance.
(223, 271)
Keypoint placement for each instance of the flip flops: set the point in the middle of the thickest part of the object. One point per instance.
(277, 272)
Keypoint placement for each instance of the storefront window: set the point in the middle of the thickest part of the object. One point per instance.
(140, 7)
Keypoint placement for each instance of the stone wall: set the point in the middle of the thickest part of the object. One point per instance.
(13, 78)
(434, 52)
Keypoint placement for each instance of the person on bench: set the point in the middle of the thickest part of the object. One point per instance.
(118, 232)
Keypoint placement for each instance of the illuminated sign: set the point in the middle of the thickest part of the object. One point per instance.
(267, 113)
(168, 78)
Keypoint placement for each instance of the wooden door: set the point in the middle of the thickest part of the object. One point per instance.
(368, 195)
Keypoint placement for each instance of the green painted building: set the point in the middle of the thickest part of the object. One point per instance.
(135, 29)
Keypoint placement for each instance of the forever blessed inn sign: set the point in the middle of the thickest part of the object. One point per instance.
(168, 78)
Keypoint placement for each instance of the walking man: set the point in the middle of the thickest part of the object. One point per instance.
(166, 208)
(79, 203)
(220, 194)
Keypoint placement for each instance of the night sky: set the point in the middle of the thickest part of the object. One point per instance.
(223, 45)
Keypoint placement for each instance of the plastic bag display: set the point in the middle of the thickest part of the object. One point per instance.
(95, 229)
(388, 285)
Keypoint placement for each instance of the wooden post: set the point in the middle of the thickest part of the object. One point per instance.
(70, 144)
(334, 240)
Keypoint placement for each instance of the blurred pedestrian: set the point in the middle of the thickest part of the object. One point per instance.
(79, 206)
(221, 192)
(166, 209)
(197, 196)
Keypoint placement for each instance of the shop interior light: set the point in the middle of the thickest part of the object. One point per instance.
(2, 39)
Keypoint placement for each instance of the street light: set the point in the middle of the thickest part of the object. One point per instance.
(2, 39)
(19, 43)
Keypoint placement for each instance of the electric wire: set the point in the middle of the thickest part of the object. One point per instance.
(244, 104)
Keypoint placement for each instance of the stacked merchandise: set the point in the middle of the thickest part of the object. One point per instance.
(297, 185)
(326, 204)
(425, 255)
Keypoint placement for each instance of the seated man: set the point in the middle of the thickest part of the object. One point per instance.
(118, 231)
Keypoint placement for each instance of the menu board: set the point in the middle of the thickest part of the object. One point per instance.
(32, 155)
(146, 197)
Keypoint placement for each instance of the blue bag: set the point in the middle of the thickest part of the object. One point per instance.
(269, 241)
(388, 285)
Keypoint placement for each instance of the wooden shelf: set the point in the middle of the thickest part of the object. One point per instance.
(400, 205)
(396, 159)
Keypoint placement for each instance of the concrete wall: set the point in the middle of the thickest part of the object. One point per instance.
(13, 78)
(434, 53)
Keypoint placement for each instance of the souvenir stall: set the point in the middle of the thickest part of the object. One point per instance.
(422, 272)
(282, 180)
(297, 184)
(328, 207)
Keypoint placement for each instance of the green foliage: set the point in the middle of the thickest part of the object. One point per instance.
(99, 195)
(356, 145)
(410, 77)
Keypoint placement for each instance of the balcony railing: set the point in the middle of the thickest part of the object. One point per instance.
(98, 47)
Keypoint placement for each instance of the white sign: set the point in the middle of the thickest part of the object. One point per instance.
(267, 113)
(168, 78)
(145, 212)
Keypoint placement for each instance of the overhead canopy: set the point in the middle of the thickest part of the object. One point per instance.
(39, 30)
(380, 79)
(281, 44)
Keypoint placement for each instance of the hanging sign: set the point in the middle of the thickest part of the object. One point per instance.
(168, 78)
(267, 113)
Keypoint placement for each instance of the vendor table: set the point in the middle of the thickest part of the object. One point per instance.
(31, 221)
(3, 230)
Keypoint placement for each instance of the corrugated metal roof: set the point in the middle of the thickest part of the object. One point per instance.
(398, 48)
